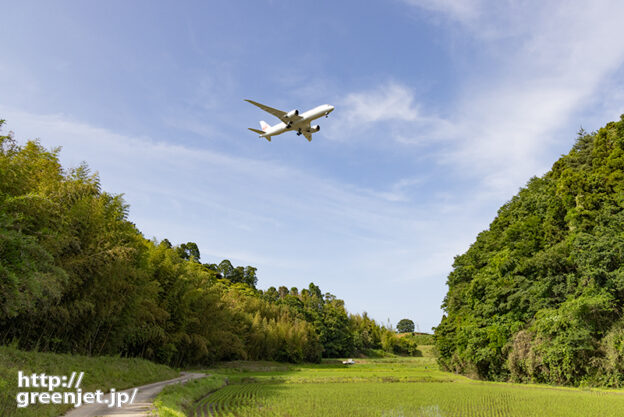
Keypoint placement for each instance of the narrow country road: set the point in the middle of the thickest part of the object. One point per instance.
(142, 402)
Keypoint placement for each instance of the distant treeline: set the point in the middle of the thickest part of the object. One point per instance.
(77, 276)
(539, 296)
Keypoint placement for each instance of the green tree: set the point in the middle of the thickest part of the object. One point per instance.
(77, 276)
(539, 295)
(405, 326)
(189, 251)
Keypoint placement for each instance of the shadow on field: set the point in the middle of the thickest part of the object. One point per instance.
(238, 395)
(253, 386)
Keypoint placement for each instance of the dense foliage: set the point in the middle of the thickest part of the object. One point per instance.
(539, 295)
(77, 276)
(405, 326)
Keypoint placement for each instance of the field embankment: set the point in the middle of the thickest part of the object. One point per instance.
(179, 400)
(101, 373)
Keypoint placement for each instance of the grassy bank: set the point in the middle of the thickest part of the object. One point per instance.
(99, 373)
(178, 400)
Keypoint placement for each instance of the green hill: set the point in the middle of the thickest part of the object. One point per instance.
(539, 295)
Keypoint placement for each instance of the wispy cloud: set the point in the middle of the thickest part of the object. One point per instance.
(391, 108)
(461, 10)
(391, 101)
(397, 191)
(491, 20)
(560, 64)
(504, 126)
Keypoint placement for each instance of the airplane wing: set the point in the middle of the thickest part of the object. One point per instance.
(277, 113)
(305, 131)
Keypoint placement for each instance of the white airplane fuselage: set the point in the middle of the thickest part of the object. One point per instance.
(306, 118)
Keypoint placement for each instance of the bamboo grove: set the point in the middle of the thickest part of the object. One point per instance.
(77, 276)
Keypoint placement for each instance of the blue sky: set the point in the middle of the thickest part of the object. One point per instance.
(443, 110)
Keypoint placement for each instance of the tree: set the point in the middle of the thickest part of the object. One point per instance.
(539, 295)
(188, 251)
(405, 326)
(283, 291)
(77, 276)
(249, 276)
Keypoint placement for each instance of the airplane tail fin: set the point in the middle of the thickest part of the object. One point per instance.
(264, 125)
(261, 133)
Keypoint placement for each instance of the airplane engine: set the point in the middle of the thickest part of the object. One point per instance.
(315, 128)
(292, 113)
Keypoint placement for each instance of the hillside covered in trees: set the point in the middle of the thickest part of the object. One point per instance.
(539, 296)
(77, 276)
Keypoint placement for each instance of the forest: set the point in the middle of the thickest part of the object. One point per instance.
(77, 276)
(539, 295)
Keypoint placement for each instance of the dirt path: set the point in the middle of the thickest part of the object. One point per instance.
(142, 402)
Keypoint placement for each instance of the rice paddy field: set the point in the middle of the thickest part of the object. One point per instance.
(389, 387)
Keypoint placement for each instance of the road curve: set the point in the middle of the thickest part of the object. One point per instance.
(142, 402)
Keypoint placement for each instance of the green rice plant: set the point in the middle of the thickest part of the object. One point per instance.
(398, 387)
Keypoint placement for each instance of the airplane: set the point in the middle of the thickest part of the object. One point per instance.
(291, 121)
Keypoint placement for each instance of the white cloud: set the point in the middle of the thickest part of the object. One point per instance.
(391, 101)
(497, 20)
(460, 10)
(390, 109)
(398, 191)
(515, 118)
(505, 124)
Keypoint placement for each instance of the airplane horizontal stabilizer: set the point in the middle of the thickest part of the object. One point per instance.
(260, 132)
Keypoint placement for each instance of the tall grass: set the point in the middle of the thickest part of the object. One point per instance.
(102, 373)
(179, 400)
